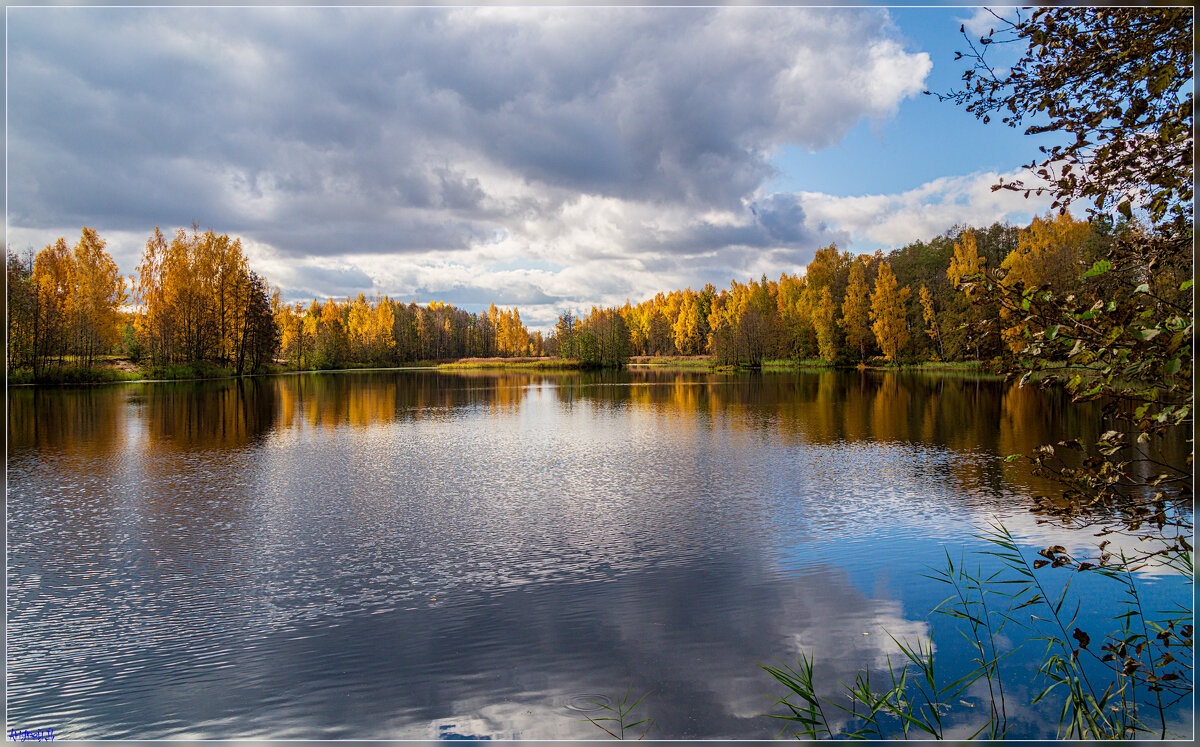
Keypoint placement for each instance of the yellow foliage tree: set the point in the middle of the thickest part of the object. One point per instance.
(53, 282)
(98, 293)
(1048, 254)
(687, 331)
(290, 319)
(381, 335)
(358, 331)
(966, 260)
(929, 314)
(889, 314)
(154, 324)
(856, 309)
(331, 339)
(965, 264)
(823, 314)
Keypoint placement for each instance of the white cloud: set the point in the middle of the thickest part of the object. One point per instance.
(980, 22)
(893, 220)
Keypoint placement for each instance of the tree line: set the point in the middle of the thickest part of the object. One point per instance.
(382, 331)
(913, 304)
(194, 299)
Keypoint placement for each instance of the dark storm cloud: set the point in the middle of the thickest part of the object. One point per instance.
(388, 130)
(775, 221)
(782, 217)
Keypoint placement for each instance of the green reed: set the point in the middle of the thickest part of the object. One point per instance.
(1119, 688)
(621, 711)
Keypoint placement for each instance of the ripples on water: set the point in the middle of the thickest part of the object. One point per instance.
(426, 555)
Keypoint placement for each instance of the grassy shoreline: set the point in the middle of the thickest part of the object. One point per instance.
(692, 363)
(116, 370)
(524, 364)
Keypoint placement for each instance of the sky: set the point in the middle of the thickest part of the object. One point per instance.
(547, 158)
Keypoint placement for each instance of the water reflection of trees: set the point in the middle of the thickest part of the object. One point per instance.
(960, 413)
(968, 415)
(76, 419)
(225, 414)
(370, 398)
(833, 406)
(813, 408)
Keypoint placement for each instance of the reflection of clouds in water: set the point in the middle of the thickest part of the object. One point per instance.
(730, 685)
(878, 636)
(484, 720)
(1033, 535)
(508, 665)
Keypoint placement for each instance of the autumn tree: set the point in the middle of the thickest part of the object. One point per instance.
(824, 316)
(966, 262)
(965, 267)
(1118, 83)
(381, 342)
(930, 315)
(64, 305)
(1049, 256)
(197, 299)
(154, 322)
(689, 330)
(289, 318)
(605, 339)
(98, 293)
(796, 338)
(54, 283)
(889, 311)
(856, 310)
(826, 277)
(723, 320)
(331, 345)
(565, 334)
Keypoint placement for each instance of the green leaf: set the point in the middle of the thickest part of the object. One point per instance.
(1100, 267)
(1185, 285)
(1143, 288)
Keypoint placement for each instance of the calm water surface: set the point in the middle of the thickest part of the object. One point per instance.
(422, 554)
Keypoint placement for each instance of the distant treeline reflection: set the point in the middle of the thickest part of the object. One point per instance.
(979, 418)
(962, 413)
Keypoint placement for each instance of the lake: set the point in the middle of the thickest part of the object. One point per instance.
(420, 554)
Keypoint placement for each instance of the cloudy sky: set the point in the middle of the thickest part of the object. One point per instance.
(545, 158)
